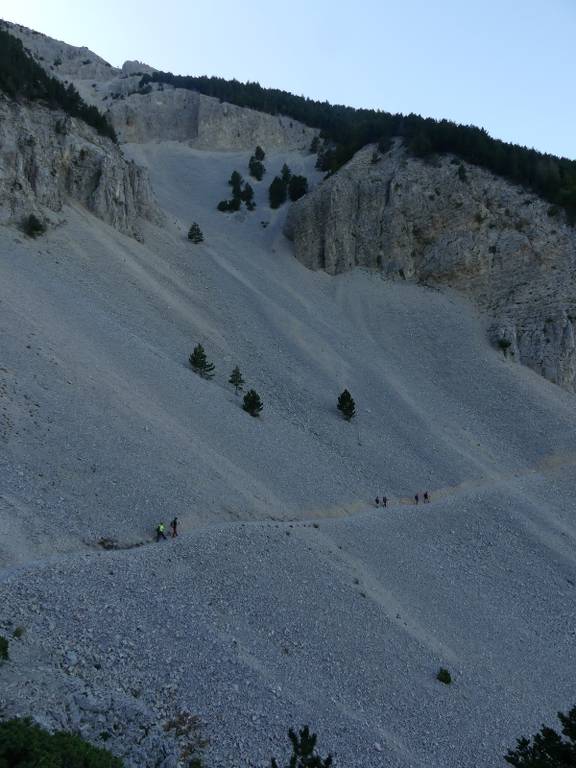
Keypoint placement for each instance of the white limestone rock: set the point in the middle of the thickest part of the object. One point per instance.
(48, 159)
(490, 239)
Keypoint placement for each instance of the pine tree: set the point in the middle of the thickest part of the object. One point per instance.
(304, 751)
(315, 145)
(195, 234)
(236, 379)
(277, 193)
(259, 153)
(548, 749)
(247, 193)
(286, 174)
(235, 181)
(347, 405)
(252, 403)
(256, 168)
(200, 364)
(297, 187)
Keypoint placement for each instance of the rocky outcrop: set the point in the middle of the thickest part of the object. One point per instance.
(446, 223)
(161, 112)
(48, 159)
(205, 123)
(60, 59)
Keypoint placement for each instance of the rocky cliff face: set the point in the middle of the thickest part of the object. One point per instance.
(446, 223)
(203, 122)
(48, 159)
(164, 113)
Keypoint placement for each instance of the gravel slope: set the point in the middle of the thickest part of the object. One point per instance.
(256, 626)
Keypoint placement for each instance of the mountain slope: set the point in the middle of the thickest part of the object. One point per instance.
(107, 430)
(118, 319)
(287, 598)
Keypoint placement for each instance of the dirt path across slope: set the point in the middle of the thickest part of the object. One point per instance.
(547, 465)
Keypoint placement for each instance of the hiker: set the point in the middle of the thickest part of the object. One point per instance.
(426, 497)
(384, 501)
(416, 499)
(174, 526)
(160, 532)
(377, 501)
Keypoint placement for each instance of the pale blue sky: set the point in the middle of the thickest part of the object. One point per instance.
(507, 65)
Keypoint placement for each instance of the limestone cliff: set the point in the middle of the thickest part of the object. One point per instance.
(446, 223)
(161, 112)
(48, 159)
(204, 122)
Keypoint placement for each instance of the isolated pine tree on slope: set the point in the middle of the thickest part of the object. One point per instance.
(236, 379)
(195, 234)
(252, 403)
(346, 405)
(200, 364)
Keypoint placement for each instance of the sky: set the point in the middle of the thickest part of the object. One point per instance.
(505, 65)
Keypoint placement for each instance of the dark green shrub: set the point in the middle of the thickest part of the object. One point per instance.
(385, 145)
(285, 174)
(462, 175)
(315, 145)
(252, 403)
(195, 234)
(4, 656)
(548, 749)
(256, 169)
(33, 226)
(420, 144)
(200, 364)
(304, 751)
(259, 153)
(19, 632)
(297, 187)
(229, 206)
(504, 344)
(24, 745)
(346, 405)
(277, 193)
(444, 676)
(235, 181)
(247, 194)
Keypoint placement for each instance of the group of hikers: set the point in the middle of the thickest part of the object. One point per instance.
(160, 528)
(383, 502)
(380, 502)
